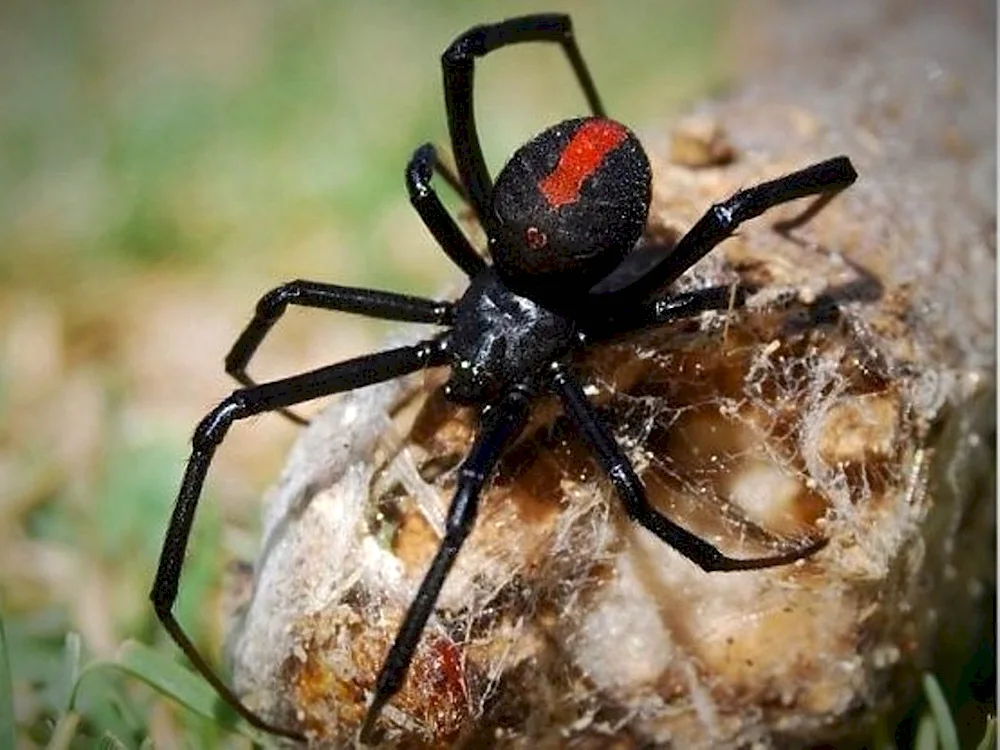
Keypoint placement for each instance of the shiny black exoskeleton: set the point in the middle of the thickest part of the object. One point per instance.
(498, 340)
(561, 221)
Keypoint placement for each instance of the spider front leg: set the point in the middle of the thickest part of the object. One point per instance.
(824, 180)
(619, 469)
(243, 403)
(313, 294)
(499, 426)
(446, 173)
(458, 63)
(424, 199)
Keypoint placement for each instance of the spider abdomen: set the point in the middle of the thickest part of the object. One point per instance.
(568, 207)
(501, 339)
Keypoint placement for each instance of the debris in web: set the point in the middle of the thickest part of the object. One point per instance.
(850, 398)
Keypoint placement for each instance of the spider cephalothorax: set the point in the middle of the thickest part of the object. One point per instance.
(522, 333)
(561, 221)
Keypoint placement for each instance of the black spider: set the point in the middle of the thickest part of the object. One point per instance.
(561, 221)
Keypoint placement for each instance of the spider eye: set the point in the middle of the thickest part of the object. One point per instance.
(569, 206)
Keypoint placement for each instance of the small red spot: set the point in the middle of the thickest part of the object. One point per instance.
(580, 159)
(535, 238)
(449, 674)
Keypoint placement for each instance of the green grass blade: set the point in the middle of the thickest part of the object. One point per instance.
(927, 736)
(110, 742)
(71, 668)
(64, 731)
(172, 680)
(946, 730)
(162, 674)
(7, 735)
(989, 741)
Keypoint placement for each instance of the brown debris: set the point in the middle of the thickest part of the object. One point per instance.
(700, 141)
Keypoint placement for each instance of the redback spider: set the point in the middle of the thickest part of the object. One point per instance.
(560, 223)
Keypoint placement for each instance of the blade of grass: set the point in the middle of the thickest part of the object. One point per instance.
(926, 737)
(110, 742)
(64, 731)
(171, 679)
(162, 674)
(135, 724)
(71, 667)
(946, 730)
(7, 735)
(989, 741)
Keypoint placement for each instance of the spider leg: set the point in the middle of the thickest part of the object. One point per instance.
(619, 469)
(446, 172)
(458, 64)
(499, 425)
(666, 310)
(243, 403)
(313, 294)
(825, 180)
(424, 199)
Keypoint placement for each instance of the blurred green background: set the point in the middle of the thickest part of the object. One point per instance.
(164, 165)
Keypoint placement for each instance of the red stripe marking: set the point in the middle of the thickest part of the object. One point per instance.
(580, 159)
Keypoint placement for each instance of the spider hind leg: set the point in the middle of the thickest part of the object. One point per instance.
(619, 469)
